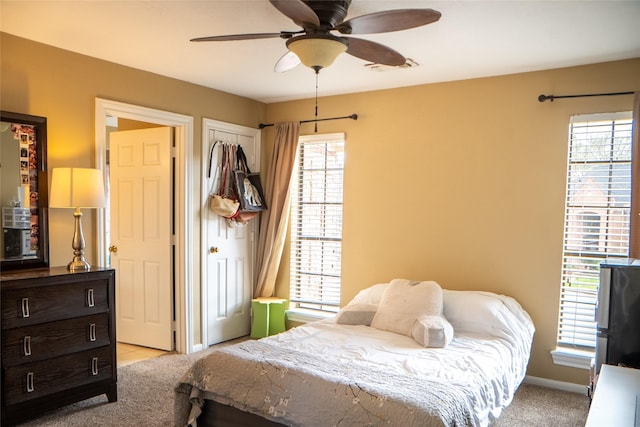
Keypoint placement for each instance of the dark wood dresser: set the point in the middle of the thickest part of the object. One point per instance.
(58, 339)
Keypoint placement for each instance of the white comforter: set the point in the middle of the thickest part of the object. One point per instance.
(486, 369)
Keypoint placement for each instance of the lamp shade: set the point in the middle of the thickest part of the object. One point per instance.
(317, 51)
(77, 188)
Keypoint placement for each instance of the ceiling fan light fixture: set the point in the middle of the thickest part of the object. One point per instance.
(317, 51)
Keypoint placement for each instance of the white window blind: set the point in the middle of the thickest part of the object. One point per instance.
(316, 223)
(596, 225)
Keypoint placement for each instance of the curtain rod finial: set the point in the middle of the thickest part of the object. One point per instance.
(543, 98)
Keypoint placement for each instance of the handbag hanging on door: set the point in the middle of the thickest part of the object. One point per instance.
(248, 186)
(224, 202)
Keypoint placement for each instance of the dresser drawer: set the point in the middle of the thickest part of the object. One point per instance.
(29, 306)
(44, 341)
(32, 380)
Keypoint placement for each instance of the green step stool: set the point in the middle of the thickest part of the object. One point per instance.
(267, 316)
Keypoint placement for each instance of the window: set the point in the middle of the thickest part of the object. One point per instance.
(316, 223)
(597, 213)
(591, 232)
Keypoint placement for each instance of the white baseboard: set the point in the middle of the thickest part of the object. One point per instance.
(197, 347)
(558, 385)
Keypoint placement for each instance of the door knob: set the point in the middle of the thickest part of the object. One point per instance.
(213, 250)
(113, 249)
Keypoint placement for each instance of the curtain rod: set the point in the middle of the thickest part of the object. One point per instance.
(352, 117)
(543, 98)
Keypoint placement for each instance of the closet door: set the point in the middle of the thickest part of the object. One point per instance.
(228, 252)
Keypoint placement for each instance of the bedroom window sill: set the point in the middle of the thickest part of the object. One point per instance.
(571, 357)
(301, 315)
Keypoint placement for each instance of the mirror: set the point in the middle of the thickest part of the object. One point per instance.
(24, 241)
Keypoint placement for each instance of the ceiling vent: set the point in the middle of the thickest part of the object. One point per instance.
(410, 63)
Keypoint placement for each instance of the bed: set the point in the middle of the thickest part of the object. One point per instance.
(459, 364)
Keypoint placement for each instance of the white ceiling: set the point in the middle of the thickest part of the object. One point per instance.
(474, 38)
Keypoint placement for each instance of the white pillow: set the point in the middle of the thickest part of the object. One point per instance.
(483, 313)
(370, 295)
(403, 302)
(432, 331)
(356, 314)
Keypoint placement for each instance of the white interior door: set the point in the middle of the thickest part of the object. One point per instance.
(141, 235)
(228, 266)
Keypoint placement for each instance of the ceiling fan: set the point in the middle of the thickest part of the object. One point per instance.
(317, 47)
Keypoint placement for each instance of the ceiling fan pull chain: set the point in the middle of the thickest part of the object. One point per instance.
(316, 116)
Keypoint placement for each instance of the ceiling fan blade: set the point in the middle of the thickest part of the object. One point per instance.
(374, 52)
(229, 37)
(387, 21)
(298, 12)
(287, 62)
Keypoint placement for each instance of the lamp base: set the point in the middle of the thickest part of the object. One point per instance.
(78, 264)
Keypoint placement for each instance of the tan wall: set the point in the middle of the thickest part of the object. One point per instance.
(62, 86)
(463, 183)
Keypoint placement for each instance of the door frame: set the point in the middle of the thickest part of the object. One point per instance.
(184, 211)
(207, 126)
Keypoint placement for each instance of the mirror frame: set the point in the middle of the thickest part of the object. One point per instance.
(40, 126)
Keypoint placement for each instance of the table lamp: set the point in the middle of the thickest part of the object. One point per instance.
(77, 188)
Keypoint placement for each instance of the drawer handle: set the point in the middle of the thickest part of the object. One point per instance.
(25, 307)
(30, 386)
(92, 332)
(94, 366)
(90, 299)
(26, 344)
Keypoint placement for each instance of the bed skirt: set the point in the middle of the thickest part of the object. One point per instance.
(216, 414)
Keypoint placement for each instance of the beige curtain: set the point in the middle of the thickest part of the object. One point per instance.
(274, 223)
(634, 234)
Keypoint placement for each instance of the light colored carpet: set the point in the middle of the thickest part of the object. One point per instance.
(145, 399)
(535, 406)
